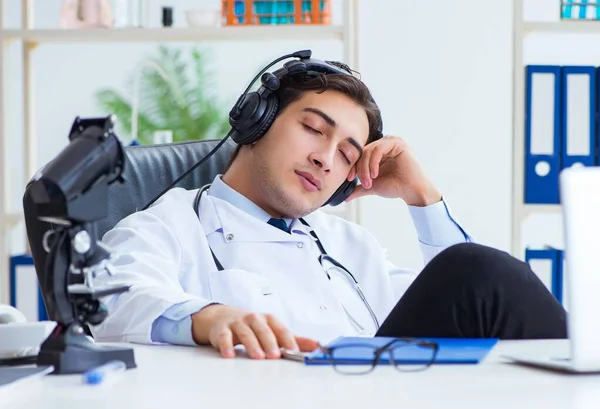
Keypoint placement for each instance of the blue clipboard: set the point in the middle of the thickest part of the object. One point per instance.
(450, 351)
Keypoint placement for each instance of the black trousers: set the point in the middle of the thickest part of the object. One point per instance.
(470, 290)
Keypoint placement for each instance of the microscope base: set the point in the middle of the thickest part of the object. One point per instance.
(72, 352)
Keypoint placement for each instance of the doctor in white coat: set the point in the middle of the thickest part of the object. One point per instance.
(251, 260)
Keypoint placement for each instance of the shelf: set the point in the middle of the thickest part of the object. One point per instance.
(568, 27)
(280, 32)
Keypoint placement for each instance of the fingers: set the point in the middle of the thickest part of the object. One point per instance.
(284, 336)
(306, 344)
(367, 167)
(265, 335)
(362, 169)
(246, 336)
(352, 174)
(224, 343)
(262, 335)
(374, 162)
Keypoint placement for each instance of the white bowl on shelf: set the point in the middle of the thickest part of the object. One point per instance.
(203, 18)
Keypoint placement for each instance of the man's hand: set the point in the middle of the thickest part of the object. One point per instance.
(263, 335)
(389, 169)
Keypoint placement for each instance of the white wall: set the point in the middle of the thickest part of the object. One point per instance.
(440, 70)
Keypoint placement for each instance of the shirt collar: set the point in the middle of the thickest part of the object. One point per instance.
(223, 191)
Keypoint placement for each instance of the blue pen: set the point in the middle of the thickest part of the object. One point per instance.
(104, 372)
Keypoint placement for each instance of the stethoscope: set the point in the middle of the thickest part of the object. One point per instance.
(322, 258)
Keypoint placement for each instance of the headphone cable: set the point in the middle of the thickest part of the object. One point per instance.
(187, 172)
(299, 54)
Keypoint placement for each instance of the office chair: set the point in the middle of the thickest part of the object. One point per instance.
(148, 170)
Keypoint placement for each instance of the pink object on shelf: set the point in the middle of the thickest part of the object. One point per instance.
(86, 14)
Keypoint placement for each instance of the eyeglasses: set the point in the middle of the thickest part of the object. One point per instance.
(423, 354)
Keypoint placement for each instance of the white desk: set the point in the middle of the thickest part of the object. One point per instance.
(186, 377)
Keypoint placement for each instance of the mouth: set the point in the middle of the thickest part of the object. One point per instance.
(309, 181)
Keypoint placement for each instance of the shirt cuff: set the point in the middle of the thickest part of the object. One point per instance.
(436, 227)
(174, 326)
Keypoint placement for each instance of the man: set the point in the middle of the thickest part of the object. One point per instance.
(253, 262)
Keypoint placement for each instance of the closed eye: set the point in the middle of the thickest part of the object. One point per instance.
(317, 132)
(311, 129)
(346, 158)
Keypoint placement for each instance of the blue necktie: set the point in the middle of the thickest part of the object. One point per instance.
(279, 223)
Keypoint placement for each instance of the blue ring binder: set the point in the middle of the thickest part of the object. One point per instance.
(542, 187)
(556, 258)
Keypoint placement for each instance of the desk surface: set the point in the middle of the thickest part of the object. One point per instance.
(173, 377)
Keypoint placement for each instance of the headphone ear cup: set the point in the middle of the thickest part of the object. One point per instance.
(261, 127)
(342, 192)
(257, 113)
(244, 115)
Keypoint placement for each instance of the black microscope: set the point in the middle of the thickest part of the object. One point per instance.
(71, 193)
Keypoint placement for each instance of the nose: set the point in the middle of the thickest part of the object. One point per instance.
(323, 158)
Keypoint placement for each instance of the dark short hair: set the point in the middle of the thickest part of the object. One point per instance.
(292, 88)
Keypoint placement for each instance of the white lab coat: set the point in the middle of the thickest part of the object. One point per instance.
(163, 253)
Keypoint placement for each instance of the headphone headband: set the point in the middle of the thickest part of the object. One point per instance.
(308, 66)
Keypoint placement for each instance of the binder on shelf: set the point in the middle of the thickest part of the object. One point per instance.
(578, 116)
(547, 263)
(25, 292)
(542, 133)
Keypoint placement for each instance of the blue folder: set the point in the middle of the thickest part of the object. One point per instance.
(451, 351)
(555, 256)
(542, 133)
(578, 116)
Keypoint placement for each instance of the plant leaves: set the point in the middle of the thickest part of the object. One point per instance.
(182, 104)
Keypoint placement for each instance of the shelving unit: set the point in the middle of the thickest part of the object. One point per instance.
(521, 29)
(31, 37)
(564, 26)
(237, 33)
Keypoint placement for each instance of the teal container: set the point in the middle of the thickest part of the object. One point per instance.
(307, 6)
(274, 12)
(240, 9)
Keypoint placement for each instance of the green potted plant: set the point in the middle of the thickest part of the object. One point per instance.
(172, 95)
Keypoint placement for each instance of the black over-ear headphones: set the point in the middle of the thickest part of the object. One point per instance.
(254, 112)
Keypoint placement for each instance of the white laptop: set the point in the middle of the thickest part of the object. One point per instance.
(580, 198)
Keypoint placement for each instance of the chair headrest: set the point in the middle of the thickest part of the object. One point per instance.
(150, 169)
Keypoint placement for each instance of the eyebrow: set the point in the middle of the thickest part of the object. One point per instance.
(331, 122)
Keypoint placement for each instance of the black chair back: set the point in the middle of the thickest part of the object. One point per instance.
(148, 170)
